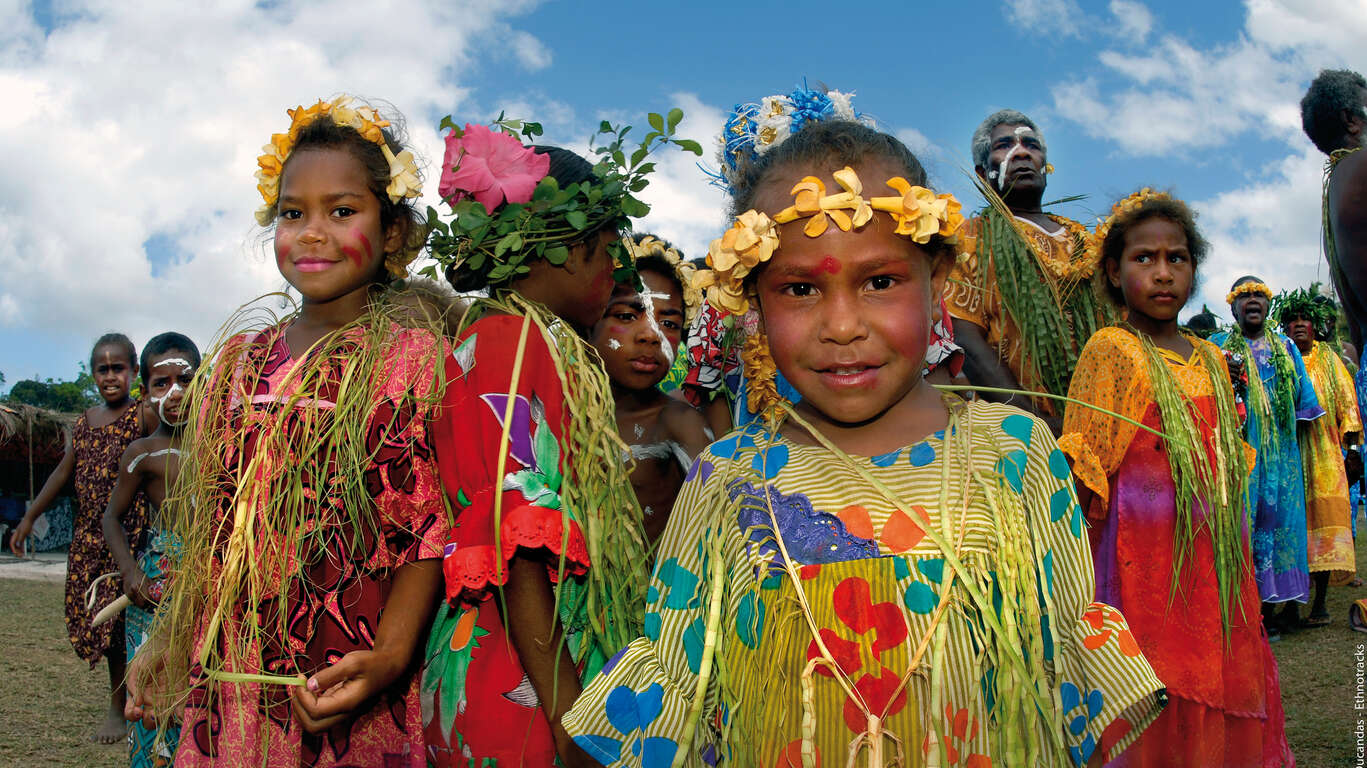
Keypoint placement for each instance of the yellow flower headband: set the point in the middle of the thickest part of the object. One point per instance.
(1130, 204)
(686, 271)
(918, 212)
(404, 181)
(1246, 289)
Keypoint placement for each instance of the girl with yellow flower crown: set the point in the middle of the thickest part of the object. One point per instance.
(1168, 528)
(881, 574)
(309, 502)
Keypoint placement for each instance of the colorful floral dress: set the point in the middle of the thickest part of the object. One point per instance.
(1225, 707)
(1276, 490)
(1328, 513)
(337, 605)
(98, 450)
(872, 580)
(479, 706)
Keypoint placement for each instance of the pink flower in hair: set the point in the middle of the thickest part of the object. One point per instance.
(489, 166)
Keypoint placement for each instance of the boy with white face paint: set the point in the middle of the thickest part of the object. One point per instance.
(149, 466)
(638, 338)
(1023, 301)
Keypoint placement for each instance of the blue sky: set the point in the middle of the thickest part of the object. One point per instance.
(130, 206)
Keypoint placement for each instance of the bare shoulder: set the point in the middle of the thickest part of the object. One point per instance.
(684, 424)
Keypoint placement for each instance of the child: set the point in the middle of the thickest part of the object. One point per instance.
(637, 339)
(149, 467)
(1279, 396)
(715, 380)
(99, 439)
(1328, 513)
(881, 574)
(546, 563)
(308, 505)
(1168, 528)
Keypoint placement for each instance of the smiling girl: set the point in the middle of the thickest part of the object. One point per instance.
(882, 574)
(308, 504)
(1168, 530)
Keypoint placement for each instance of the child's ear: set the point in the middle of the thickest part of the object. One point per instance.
(1112, 271)
(396, 234)
(940, 270)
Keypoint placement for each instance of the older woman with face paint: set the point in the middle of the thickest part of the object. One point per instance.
(1280, 396)
(1023, 302)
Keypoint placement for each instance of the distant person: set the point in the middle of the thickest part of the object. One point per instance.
(1279, 398)
(1204, 323)
(1023, 303)
(1327, 507)
(98, 440)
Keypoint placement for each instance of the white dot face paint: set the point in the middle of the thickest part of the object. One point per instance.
(614, 344)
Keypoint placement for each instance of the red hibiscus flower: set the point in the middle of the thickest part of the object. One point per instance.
(489, 166)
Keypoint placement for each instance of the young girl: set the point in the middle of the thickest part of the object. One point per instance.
(880, 575)
(149, 467)
(1168, 528)
(546, 563)
(715, 380)
(637, 339)
(99, 439)
(308, 504)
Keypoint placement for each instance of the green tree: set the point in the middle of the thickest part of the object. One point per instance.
(68, 396)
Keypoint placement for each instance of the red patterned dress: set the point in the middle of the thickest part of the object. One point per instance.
(337, 606)
(98, 450)
(478, 704)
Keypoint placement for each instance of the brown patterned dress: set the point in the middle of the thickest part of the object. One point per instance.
(98, 450)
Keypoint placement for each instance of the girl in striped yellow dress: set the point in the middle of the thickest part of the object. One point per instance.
(882, 574)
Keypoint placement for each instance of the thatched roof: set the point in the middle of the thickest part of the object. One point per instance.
(33, 434)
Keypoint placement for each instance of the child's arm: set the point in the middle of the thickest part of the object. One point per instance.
(120, 499)
(337, 692)
(688, 427)
(539, 639)
(54, 485)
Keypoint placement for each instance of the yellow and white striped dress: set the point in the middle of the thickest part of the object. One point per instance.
(872, 582)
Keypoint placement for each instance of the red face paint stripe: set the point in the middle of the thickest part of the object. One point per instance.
(365, 241)
(354, 255)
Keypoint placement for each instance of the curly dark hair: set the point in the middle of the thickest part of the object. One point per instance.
(327, 134)
(1331, 94)
(160, 345)
(1169, 208)
(834, 143)
(115, 340)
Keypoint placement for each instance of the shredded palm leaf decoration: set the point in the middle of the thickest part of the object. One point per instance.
(268, 490)
(596, 491)
(1276, 410)
(1027, 713)
(1215, 479)
(1055, 315)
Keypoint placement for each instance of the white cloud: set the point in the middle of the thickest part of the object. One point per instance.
(145, 119)
(1179, 97)
(1059, 17)
(1134, 20)
(684, 208)
(919, 144)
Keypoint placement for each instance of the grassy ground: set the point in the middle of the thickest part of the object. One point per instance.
(50, 702)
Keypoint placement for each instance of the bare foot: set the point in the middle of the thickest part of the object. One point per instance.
(113, 730)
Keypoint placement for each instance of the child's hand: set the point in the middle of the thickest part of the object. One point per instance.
(335, 693)
(21, 532)
(138, 588)
(139, 703)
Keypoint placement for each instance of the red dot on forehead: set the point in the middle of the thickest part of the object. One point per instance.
(830, 265)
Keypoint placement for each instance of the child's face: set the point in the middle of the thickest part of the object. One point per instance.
(168, 375)
(848, 314)
(588, 278)
(328, 239)
(112, 371)
(1155, 271)
(638, 334)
